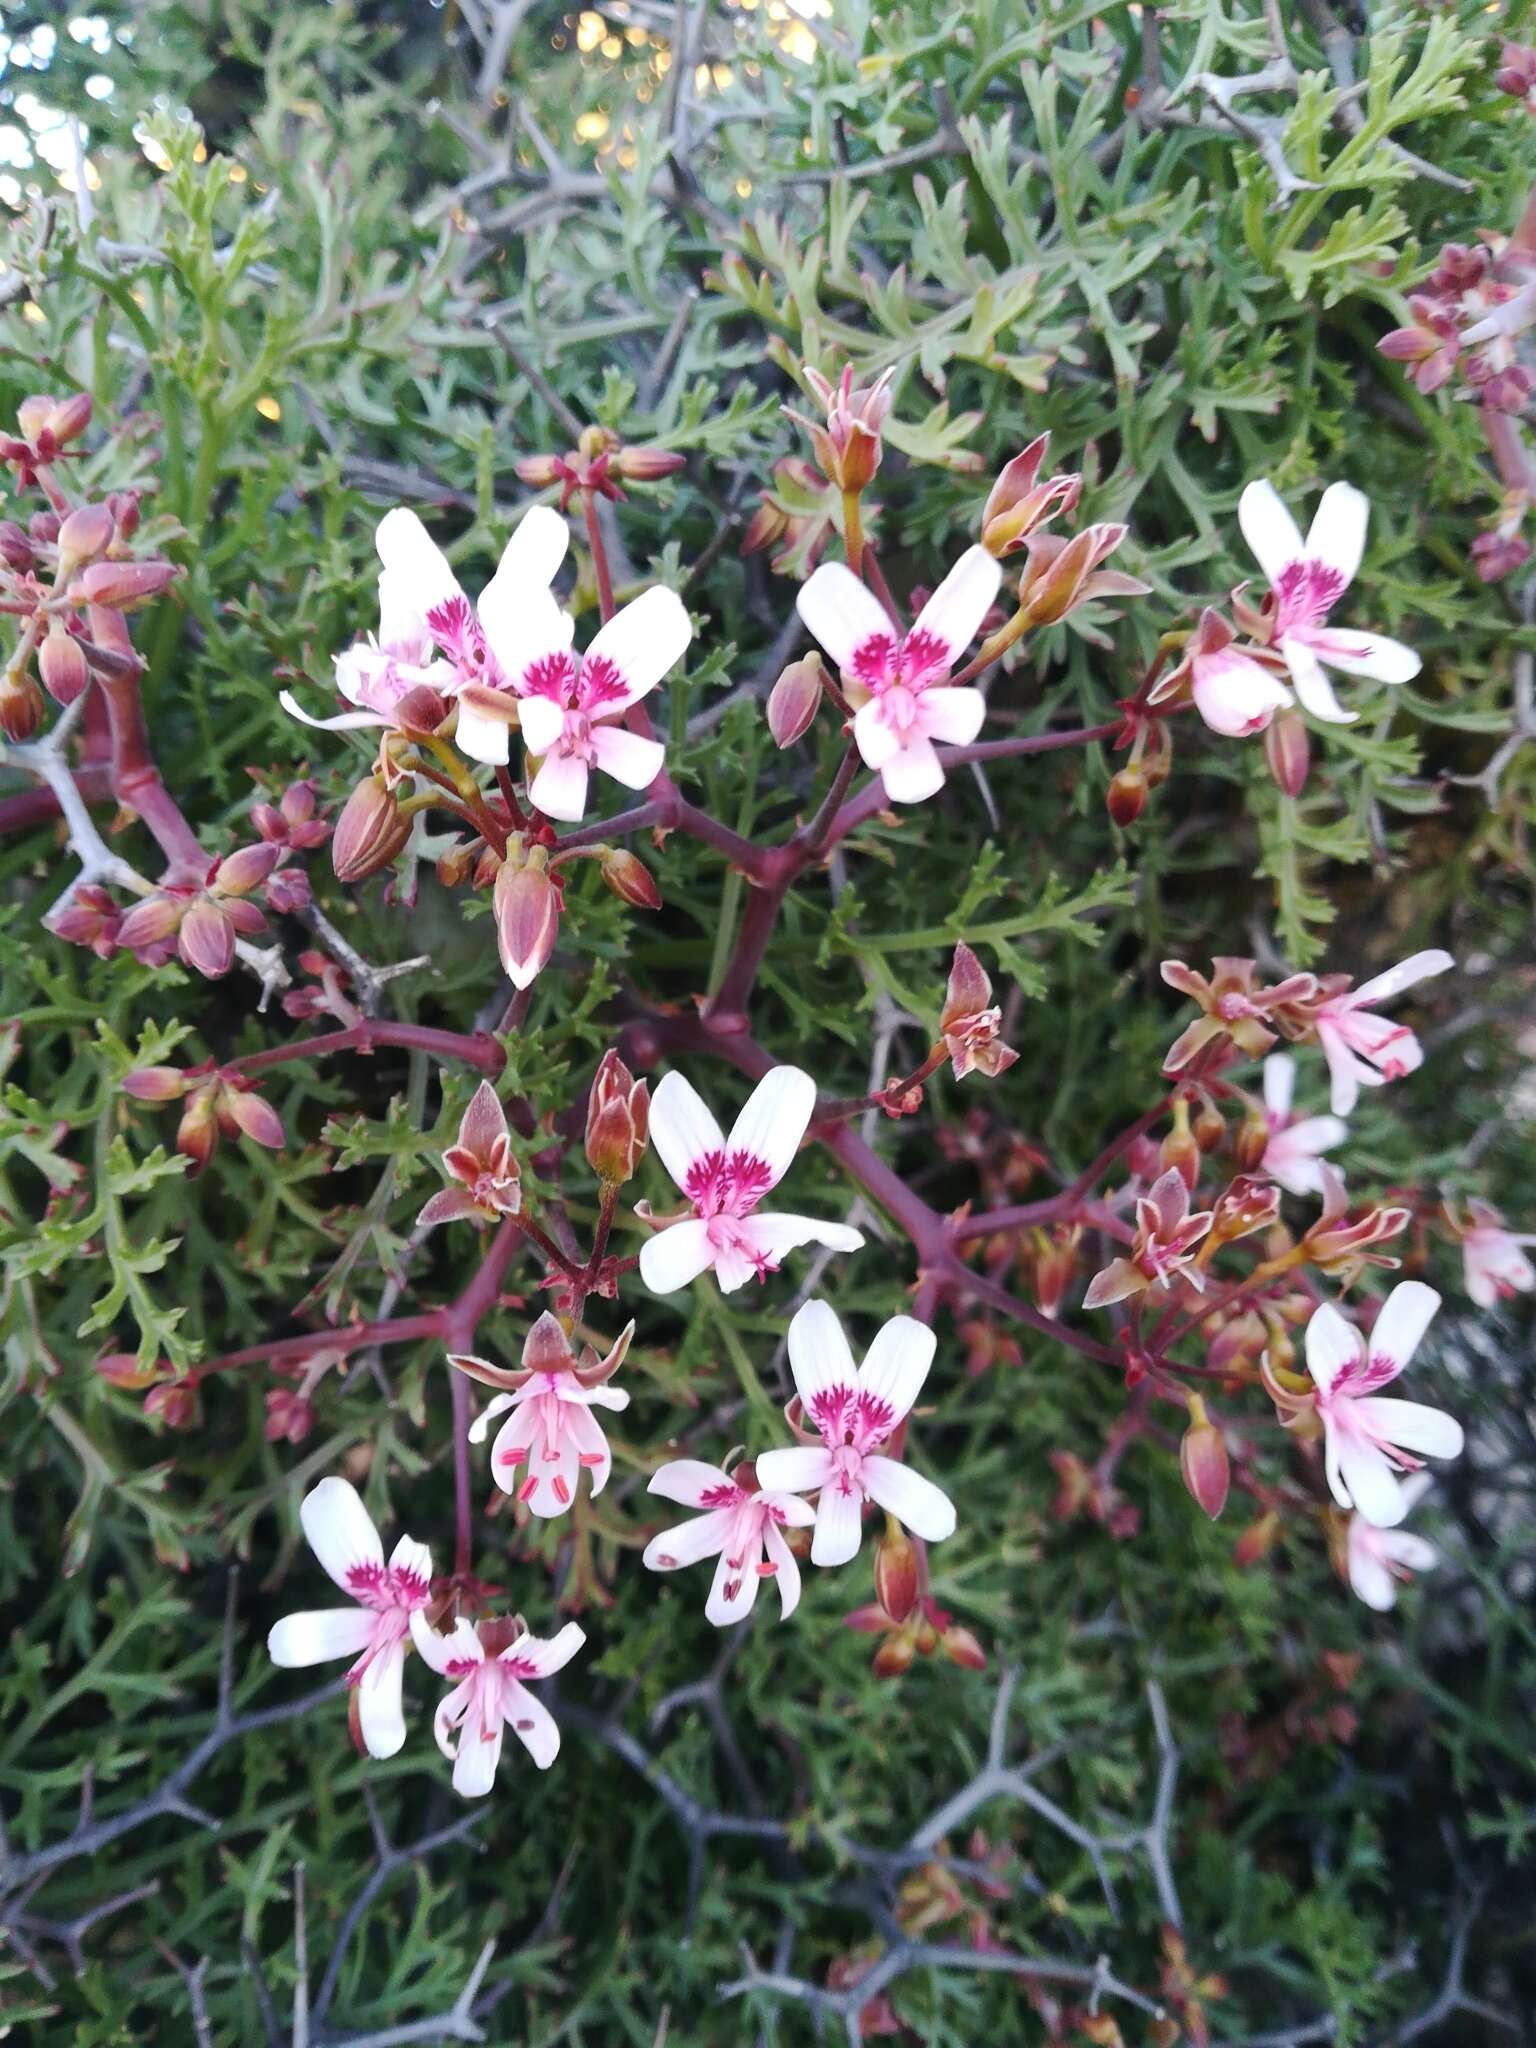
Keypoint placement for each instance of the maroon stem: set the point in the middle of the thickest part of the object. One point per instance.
(136, 780)
(477, 1050)
(1058, 1207)
(599, 548)
(354, 1337)
(872, 798)
(463, 1478)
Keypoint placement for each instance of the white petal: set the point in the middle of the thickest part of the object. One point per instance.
(953, 716)
(411, 1562)
(787, 1576)
(838, 1514)
(957, 608)
(591, 1446)
(380, 1715)
(1234, 695)
(1369, 1577)
(533, 1724)
(1408, 1550)
(474, 1768)
(1312, 686)
(1417, 967)
(878, 741)
(541, 1656)
(773, 1234)
(799, 1469)
(450, 1711)
(644, 640)
(819, 1358)
(1346, 1074)
(560, 787)
(1317, 1133)
(797, 1513)
(524, 625)
(482, 738)
(1337, 533)
(340, 1531)
(1370, 1483)
(913, 773)
(535, 550)
(687, 1481)
(676, 1256)
(440, 1652)
(1405, 1315)
(1368, 654)
(689, 1542)
(733, 1592)
(842, 612)
(896, 1364)
(1412, 1426)
(1279, 1084)
(1270, 531)
(915, 1501)
(315, 1638)
(774, 1119)
(541, 721)
(682, 1129)
(497, 1405)
(415, 562)
(1332, 1344)
(627, 757)
(344, 721)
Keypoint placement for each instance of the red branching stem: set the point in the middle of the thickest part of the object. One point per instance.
(346, 1339)
(1060, 1208)
(599, 548)
(479, 1297)
(476, 1049)
(816, 832)
(136, 781)
(463, 1477)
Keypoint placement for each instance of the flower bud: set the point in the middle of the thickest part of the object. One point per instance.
(124, 507)
(1180, 1149)
(1203, 1460)
(538, 472)
(454, 865)
(1209, 1125)
(68, 418)
(173, 1403)
(252, 1117)
(961, 1647)
(151, 922)
(369, 833)
(155, 1084)
(618, 1121)
(1257, 1540)
(89, 918)
(648, 465)
(288, 890)
(1019, 503)
(794, 700)
(86, 533)
(205, 940)
(897, 1572)
(527, 909)
(62, 665)
(15, 548)
(1126, 797)
(122, 1369)
(122, 585)
(44, 527)
(1288, 752)
(630, 880)
(895, 1654)
(21, 706)
(33, 415)
(421, 712)
(245, 869)
(197, 1135)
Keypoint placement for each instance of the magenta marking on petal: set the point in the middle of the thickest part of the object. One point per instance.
(726, 1496)
(874, 660)
(552, 676)
(827, 1409)
(745, 1181)
(461, 1667)
(601, 686)
(1305, 592)
(702, 1185)
(410, 1588)
(368, 1584)
(873, 1418)
(453, 625)
(924, 656)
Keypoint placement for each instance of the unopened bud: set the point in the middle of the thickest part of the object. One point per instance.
(151, 922)
(1019, 503)
(1288, 752)
(173, 1403)
(421, 711)
(961, 1647)
(288, 890)
(648, 465)
(240, 1110)
(527, 909)
(897, 1572)
(21, 706)
(122, 1369)
(44, 527)
(1126, 797)
(15, 548)
(245, 869)
(1209, 1125)
(455, 864)
(124, 507)
(62, 665)
(537, 471)
(205, 940)
(618, 1121)
(155, 1084)
(197, 1135)
(122, 585)
(1257, 1540)
(67, 420)
(33, 415)
(1179, 1149)
(895, 1654)
(85, 534)
(794, 700)
(1203, 1460)
(369, 833)
(630, 880)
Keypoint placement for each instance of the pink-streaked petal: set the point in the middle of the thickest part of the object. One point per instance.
(1346, 1074)
(676, 1256)
(1235, 695)
(913, 774)
(541, 722)
(689, 1542)
(380, 1712)
(533, 1724)
(414, 563)
(629, 759)
(1363, 1476)
(787, 1568)
(1368, 654)
(733, 1591)
(1417, 967)
(560, 787)
(682, 1129)
(956, 609)
(838, 1524)
(896, 1365)
(541, 1656)
(689, 1481)
(916, 1502)
(461, 1647)
(591, 1445)
(1405, 1315)
(410, 1565)
(1279, 1084)
(340, 1532)
(344, 721)
(1312, 686)
(1332, 1345)
(448, 1205)
(798, 1469)
(953, 716)
(643, 641)
(318, 1636)
(1336, 536)
(842, 612)
(1412, 1426)
(1271, 533)
(773, 1120)
(820, 1360)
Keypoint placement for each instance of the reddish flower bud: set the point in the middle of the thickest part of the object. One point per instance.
(68, 418)
(961, 1647)
(21, 706)
(1288, 752)
(62, 665)
(290, 1416)
(124, 507)
(1019, 503)
(122, 1369)
(369, 833)
(648, 465)
(89, 918)
(894, 1655)
(197, 1135)
(122, 585)
(245, 869)
(795, 699)
(527, 908)
(420, 712)
(849, 446)
(205, 940)
(173, 1403)
(156, 1084)
(1126, 797)
(44, 527)
(33, 415)
(538, 472)
(15, 548)
(1257, 1540)
(288, 890)
(630, 880)
(1203, 1460)
(151, 923)
(618, 1121)
(253, 1116)
(85, 534)
(898, 1572)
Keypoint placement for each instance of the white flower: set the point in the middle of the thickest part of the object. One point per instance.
(741, 1525)
(489, 1665)
(726, 1179)
(1296, 1145)
(387, 1596)
(1376, 1559)
(1363, 1050)
(1308, 578)
(856, 1412)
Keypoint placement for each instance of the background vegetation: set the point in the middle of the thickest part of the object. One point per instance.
(313, 260)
